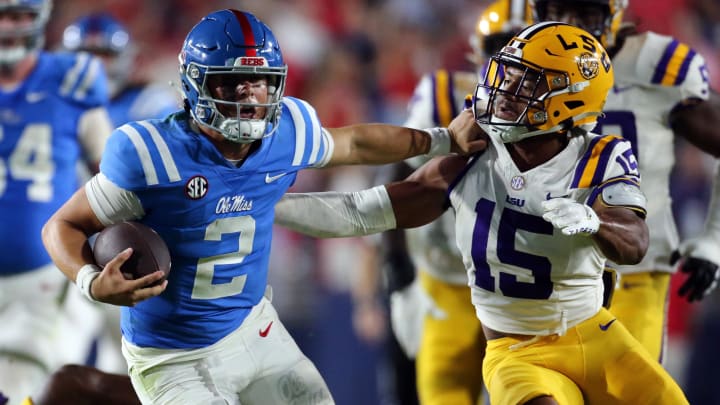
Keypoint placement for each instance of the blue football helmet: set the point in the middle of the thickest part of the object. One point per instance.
(33, 34)
(104, 36)
(234, 44)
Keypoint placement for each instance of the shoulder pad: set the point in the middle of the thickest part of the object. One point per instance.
(304, 137)
(624, 193)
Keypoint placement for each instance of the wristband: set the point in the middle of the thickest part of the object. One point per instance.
(439, 141)
(84, 278)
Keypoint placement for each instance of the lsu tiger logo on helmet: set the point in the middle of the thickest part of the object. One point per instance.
(562, 79)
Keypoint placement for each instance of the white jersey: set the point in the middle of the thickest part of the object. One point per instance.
(439, 97)
(653, 74)
(526, 277)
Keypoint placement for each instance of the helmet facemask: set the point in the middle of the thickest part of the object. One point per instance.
(516, 98)
(550, 78)
(217, 106)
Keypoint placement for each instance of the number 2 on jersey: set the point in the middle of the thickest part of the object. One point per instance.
(203, 286)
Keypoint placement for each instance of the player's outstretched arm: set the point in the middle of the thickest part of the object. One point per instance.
(415, 201)
(380, 143)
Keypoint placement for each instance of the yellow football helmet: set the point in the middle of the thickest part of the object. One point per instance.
(606, 31)
(562, 76)
(496, 25)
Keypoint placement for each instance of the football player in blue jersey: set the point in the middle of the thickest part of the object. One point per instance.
(130, 100)
(661, 92)
(207, 180)
(52, 116)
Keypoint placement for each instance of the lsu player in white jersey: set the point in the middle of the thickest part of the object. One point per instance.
(432, 317)
(207, 179)
(538, 213)
(52, 117)
(661, 91)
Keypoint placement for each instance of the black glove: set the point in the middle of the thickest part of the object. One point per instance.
(703, 276)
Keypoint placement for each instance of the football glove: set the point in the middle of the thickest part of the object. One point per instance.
(570, 216)
(408, 308)
(698, 258)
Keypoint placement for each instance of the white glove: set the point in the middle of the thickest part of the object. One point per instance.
(408, 308)
(571, 216)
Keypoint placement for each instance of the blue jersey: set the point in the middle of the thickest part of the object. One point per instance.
(39, 150)
(141, 102)
(216, 218)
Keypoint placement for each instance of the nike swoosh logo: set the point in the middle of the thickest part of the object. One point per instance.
(269, 179)
(35, 97)
(264, 333)
(550, 197)
(607, 325)
(617, 89)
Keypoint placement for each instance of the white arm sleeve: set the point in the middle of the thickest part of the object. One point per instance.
(335, 214)
(712, 223)
(111, 203)
(94, 129)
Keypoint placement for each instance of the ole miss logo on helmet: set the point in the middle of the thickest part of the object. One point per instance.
(250, 61)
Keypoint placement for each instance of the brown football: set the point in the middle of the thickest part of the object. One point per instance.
(150, 253)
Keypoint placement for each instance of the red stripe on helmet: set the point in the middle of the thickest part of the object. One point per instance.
(247, 33)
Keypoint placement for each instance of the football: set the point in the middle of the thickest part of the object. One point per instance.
(150, 253)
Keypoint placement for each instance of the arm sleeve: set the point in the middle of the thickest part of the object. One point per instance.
(111, 203)
(335, 214)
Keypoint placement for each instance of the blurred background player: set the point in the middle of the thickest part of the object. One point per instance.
(52, 116)
(132, 98)
(661, 92)
(432, 317)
